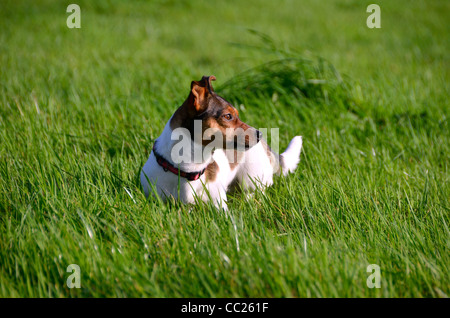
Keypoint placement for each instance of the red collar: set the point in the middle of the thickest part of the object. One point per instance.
(167, 166)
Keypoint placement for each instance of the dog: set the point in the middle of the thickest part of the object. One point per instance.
(205, 150)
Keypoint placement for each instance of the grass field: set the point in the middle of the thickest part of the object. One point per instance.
(81, 108)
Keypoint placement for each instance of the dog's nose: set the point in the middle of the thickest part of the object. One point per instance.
(259, 135)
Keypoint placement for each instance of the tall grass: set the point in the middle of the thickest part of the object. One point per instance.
(79, 112)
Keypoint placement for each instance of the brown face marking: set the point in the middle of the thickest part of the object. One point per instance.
(214, 112)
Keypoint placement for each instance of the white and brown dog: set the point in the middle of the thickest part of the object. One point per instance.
(205, 149)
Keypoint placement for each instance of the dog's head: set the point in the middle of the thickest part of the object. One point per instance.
(218, 118)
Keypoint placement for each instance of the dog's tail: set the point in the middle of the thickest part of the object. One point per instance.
(291, 157)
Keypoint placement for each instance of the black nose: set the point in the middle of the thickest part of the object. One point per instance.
(259, 135)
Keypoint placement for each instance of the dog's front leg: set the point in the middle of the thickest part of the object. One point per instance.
(220, 200)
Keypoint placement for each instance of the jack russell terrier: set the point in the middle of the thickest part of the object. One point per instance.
(205, 149)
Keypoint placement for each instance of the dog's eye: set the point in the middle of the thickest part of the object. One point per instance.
(228, 116)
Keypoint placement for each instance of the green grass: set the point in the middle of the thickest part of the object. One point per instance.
(80, 109)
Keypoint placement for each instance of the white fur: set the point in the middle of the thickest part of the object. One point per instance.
(255, 170)
(291, 157)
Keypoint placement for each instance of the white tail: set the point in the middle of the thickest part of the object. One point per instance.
(291, 157)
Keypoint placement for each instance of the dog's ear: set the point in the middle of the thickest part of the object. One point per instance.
(200, 90)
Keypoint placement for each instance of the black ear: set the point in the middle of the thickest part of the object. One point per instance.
(200, 91)
(207, 80)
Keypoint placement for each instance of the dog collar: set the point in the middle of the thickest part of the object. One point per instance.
(167, 166)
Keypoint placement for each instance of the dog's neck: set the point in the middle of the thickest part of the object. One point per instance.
(169, 143)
